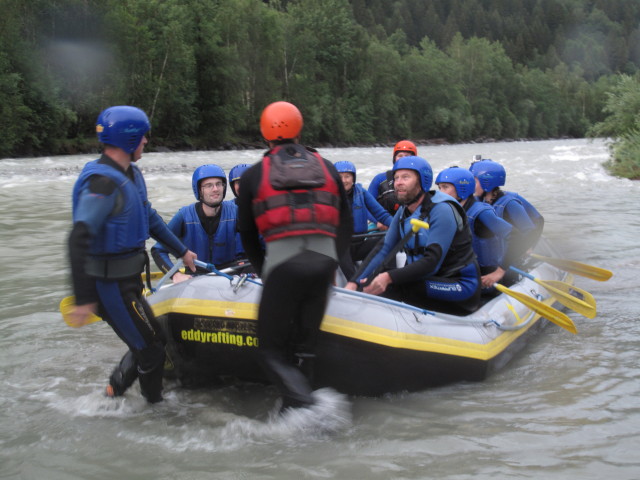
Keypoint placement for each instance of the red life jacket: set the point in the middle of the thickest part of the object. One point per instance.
(297, 195)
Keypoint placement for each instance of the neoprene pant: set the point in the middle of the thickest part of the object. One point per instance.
(289, 316)
(123, 306)
(458, 295)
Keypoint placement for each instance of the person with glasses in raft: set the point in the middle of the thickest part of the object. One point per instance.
(208, 226)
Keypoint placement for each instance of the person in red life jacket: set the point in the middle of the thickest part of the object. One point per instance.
(208, 226)
(112, 219)
(381, 187)
(295, 200)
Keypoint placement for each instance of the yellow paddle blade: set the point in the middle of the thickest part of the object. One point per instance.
(418, 224)
(564, 293)
(568, 300)
(550, 313)
(66, 308)
(582, 269)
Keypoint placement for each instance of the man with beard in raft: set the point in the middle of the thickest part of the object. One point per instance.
(441, 272)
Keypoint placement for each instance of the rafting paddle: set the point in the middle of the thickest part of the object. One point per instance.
(562, 292)
(416, 225)
(66, 308)
(582, 269)
(67, 303)
(550, 313)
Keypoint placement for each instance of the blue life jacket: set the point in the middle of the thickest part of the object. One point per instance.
(501, 203)
(460, 252)
(359, 210)
(490, 250)
(220, 248)
(127, 227)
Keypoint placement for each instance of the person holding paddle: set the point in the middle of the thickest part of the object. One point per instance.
(527, 222)
(112, 219)
(491, 234)
(295, 200)
(442, 272)
(208, 226)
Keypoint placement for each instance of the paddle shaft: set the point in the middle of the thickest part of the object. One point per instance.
(416, 225)
(577, 268)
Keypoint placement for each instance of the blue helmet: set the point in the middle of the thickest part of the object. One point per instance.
(235, 173)
(207, 171)
(122, 126)
(417, 164)
(460, 178)
(344, 166)
(490, 174)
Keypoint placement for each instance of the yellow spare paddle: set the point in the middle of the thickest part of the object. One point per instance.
(550, 313)
(582, 269)
(562, 292)
(67, 303)
(66, 307)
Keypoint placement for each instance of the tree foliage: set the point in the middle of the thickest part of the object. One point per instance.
(362, 71)
(622, 125)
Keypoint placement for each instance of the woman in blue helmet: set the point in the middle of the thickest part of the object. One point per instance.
(490, 233)
(528, 223)
(208, 226)
(441, 271)
(112, 219)
(363, 206)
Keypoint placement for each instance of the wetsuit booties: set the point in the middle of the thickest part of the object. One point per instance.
(294, 386)
(123, 375)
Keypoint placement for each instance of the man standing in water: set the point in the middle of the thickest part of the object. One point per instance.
(112, 219)
(295, 199)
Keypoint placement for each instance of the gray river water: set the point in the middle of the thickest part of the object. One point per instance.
(567, 407)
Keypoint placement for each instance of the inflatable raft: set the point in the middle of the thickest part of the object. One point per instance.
(367, 345)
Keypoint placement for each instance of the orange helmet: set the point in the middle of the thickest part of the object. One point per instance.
(280, 121)
(405, 146)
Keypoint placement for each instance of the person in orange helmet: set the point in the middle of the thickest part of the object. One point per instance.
(381, 187)
(294, 199)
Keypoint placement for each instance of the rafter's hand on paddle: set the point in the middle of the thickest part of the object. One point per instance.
(81, 314)
(188, 259)
(378, 285)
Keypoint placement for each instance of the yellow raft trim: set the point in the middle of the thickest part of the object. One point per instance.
(355, 330)
(423, 343)
(207, 308)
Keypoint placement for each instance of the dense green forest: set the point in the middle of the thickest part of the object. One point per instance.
(361, 71)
